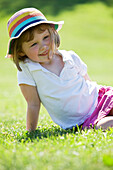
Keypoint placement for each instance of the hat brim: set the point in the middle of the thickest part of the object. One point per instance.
(57, 26)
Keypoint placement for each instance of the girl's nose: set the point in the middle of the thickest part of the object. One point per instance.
(43, 48)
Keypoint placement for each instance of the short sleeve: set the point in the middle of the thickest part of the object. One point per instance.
(24, 76)
(81, 66)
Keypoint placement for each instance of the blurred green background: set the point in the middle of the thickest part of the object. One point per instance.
(52, 7)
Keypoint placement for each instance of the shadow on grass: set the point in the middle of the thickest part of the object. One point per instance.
(50, 7)
(42, 133)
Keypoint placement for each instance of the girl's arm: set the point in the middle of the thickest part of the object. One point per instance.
(33, 105)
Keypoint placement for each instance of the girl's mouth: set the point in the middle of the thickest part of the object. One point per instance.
(44, 54)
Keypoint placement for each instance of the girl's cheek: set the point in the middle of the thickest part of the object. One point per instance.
(48, 41)
(33, 50)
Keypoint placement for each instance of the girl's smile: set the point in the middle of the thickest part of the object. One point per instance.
(44, 53)
(38, 49)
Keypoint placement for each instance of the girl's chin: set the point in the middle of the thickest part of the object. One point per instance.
(48, 61)
(42, 59)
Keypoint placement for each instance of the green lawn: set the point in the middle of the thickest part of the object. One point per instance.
(88, 30)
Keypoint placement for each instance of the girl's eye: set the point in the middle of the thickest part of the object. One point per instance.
(46, 37)
(33, 44)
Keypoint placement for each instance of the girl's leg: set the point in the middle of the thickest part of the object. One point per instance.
(105, 123)
(111, 112)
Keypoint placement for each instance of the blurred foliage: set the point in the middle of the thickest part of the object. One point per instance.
(50, 7)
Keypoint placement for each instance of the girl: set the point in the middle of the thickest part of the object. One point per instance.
(56, 78)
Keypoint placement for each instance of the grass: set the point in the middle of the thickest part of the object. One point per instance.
(53, 148)
(87, 31)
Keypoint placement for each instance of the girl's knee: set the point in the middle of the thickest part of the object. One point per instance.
(111, 112)
(105, 123)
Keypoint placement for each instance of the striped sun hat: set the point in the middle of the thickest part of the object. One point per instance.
(24, 19)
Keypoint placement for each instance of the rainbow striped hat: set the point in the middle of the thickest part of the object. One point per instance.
(24, 19)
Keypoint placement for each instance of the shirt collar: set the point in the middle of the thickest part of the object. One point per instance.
(66, 56)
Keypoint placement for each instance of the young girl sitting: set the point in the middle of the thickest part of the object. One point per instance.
(56, 78)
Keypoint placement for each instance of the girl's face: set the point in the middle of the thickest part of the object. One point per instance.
(38, 49)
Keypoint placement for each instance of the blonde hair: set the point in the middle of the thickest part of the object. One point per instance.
(28, 35)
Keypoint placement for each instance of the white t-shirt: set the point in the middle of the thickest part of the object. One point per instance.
(68, 98)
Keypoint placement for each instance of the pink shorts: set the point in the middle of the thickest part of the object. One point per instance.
(105, 104)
